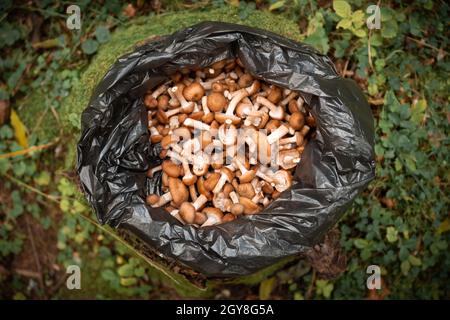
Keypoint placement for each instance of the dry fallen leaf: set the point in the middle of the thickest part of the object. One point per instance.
(129, 11)
(20, 131)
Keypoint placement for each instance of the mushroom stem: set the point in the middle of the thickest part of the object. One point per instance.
(152, 171)
(165, 198)
(196, 124)
(275, 111)
(277, 134)
(185, 105)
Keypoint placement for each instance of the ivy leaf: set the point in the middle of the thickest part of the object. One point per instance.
(344, 24)
(405, 266)
(391, 234)
(418, 111)
(342, 8)
(89, 46)
(361, 243)
(102, 34)
(414, 261)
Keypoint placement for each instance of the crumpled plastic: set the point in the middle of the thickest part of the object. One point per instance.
(114, 150)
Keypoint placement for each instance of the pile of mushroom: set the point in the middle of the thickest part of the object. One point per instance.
(230, 142)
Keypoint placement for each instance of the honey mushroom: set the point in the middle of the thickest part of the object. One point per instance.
(215, 102)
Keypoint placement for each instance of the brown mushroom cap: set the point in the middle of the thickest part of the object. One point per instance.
(245, 80)
(297, 120)
(245, 190)
(178, 190)
(275, 94)
(216, 102)
(272, 125)
(293, 106)
(211, 181)
(163, 102)
(249, 206)
(211, 211)
(310, 121)
(222, 117)
(152, 199)
(187, 212)
(228, 217)
(200, 218)
(237, 209)
(194, 92)
(202, 190)
(171, 169)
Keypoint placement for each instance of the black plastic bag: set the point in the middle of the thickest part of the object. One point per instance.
(114, 152)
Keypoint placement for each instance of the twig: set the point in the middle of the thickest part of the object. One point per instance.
(28, 150)
(309, 292)
(423, 43)
(35, 255)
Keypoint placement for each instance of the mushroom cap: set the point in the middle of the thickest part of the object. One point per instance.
(283, 180)
(246, 190)
(277, 113)
(202, 190)
(247, 176)
(178, 190)
(193, 92)
(161, 116)
(208, 118)
(228, 173)
(213, 212)
(181, 132)
(216, 102)
(189, 179)
(272, 125)
(311, 121)
(275, 94)
(289, 159)
(222, 118)
(152, 199)
(249, 206)
(228, 217)
(242, 109)
(171, 169)
(200, 164)
(245, 80)
(200, 218)
(211, 181)
(187, 212)
(237, 209)
(297, 120)
(293, 106)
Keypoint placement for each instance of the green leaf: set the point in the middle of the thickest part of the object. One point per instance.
(358, 18)
(361, 243)
(418, 111)
(126, 270)
(414, 261)
(344, 24)
(389, 29)
(391, 234)
(102, 34)
(89, 46)
(266, 287)
(128, 282)
(405, 266)
(342, 8)
(43, 179)
(276, 5)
